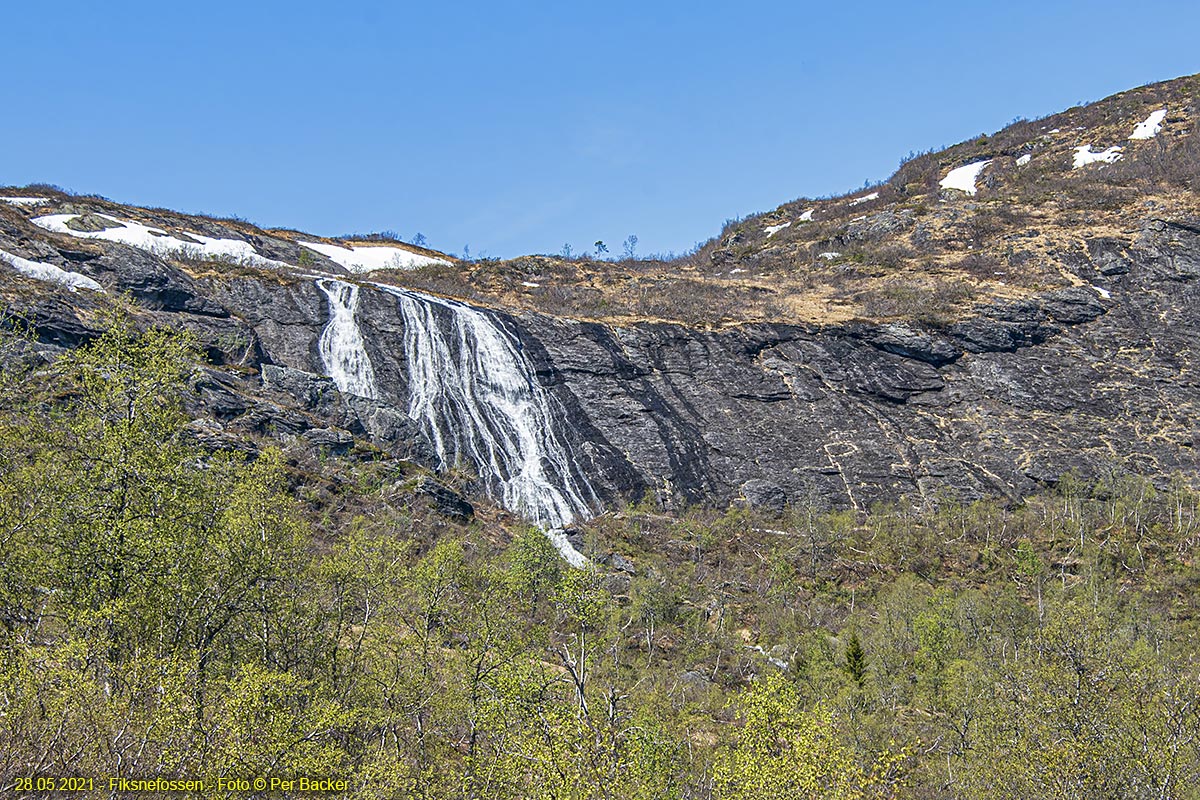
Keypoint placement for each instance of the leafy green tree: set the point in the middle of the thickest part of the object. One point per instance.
(273, 723)
(783, 750)
(938, 642)
(1031, 569)
(116, 459)
(580, 601)
(653, 603)
(535, 567)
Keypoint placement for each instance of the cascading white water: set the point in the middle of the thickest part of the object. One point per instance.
(476, 396)
(341, 344)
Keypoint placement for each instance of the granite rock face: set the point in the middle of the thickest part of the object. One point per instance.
(1017, 393)
(1013, 397)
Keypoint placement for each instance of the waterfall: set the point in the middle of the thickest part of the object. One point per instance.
(476, 396)
(477, 399)
(341, 344)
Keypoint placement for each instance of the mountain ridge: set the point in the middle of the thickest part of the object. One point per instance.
(974, 343)
(1047, 188)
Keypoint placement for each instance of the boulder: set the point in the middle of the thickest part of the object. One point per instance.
(1109, 256)
(619, 562)
(92, 223)
(308, 388)
(876, 227)
(904, 340)
(446, 501)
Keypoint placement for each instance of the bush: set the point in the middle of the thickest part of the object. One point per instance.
(935, 303)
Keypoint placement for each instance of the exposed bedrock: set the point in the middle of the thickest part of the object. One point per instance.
(1016, 394)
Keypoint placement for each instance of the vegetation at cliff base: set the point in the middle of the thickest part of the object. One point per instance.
(172, 610)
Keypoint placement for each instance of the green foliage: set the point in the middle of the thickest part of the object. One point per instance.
(272, 722)
(783, 750)
(856, 660)
(170, 611)
(580, 599)
(1029, 564)
(1088, 709)
(535, 567)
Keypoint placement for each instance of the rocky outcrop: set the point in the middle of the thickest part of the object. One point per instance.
(383, 424)
(153, 282)
(1015, 394)
(445, 500)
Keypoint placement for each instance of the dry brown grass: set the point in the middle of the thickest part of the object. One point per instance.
(916, 251)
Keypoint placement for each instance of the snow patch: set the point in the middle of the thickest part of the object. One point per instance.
(830, 255)
(1104, 293)
(866, 198)
(25, 201)
(774, 229)
(530, 284)
(159, 242)
(1023, 160)
(1150, 126)
(1084, 155)
(963, 178)
(371, 258)
(48, 272)
(807, 215)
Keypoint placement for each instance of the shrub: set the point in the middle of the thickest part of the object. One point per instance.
(935, 303)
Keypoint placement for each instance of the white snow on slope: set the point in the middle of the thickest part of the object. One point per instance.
(1085, 156)
(1150, 126)
(24, 201)
(830, 255)
(160, 242)
(1104, 293)
(50, 273)
(370, 258)
(963, 178)
(865, 198)
(807, 215)
(1023, 160)
(774, 229)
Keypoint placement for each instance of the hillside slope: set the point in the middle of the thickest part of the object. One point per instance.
(992, 317)
(332, 612)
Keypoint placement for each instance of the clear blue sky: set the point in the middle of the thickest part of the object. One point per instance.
(516, 127)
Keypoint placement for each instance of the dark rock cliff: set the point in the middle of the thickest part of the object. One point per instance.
(1090, 379)
(1016, 395)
